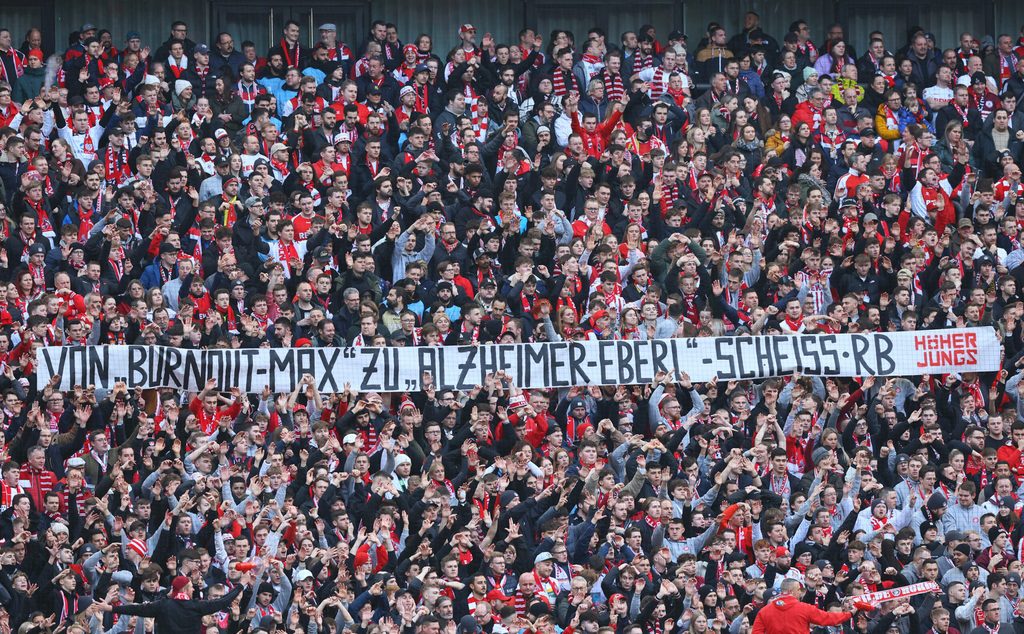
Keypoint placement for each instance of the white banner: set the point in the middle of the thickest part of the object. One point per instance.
(539, 365)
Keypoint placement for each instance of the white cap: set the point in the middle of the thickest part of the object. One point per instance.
(349, 439)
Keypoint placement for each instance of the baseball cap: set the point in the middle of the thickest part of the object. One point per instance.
(497, 595)
(202, 49)
(328, 26)
(544, 556)
(466, 28)
(278, 147)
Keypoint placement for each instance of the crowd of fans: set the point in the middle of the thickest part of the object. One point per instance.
(576, 187)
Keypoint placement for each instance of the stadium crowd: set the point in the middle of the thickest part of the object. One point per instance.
(392, 192)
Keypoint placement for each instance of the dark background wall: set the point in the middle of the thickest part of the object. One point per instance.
(261, 20)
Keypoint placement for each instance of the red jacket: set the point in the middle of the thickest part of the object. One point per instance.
(788, 615)
(595, 141)
(807, 113)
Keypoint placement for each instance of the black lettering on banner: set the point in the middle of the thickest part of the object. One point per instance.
(536, 358)
(608, 369)
(641, 357)
(48, 362)
(624, 360)
(192, 373)
(779, 346)
(861, 346)
(249, 380)
(155, 365)
(237, 375)
(555, 351)
(99, 363)
(207, 364)
(674, 346)
(391, 378)
(171, 365)
(577, 354)
(810, 360)
(280, 361)
(488, 361)
(305, 362)
(137, 359)
(507, 355)
(743, 358)
(77, 375)
(441, 378)
(884, 363)
(466, 366)
(828, 350)
(370, 369)
(724, 349)
(328, 357)
(659, 350)
(427, 362)
(765, 360)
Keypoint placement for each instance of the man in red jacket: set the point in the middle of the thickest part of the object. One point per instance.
(787, 614)
(594, 134)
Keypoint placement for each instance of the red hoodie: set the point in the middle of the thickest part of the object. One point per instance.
(785, 614)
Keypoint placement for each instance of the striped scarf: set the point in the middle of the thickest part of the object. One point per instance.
(642, 62)
(614, 87)
(659, 83)
(564, 82)
(472, 98)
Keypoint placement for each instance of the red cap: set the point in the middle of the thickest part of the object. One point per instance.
(615, 597)
(410, 47)
(179, 584)
(497, 595)
(466, 28)
(36, 53)
(780, 551)
(598, 314)
(303, 342)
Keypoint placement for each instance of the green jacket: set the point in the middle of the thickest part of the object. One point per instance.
(28, 85)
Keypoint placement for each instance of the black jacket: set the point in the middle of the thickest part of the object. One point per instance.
(175, 616)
